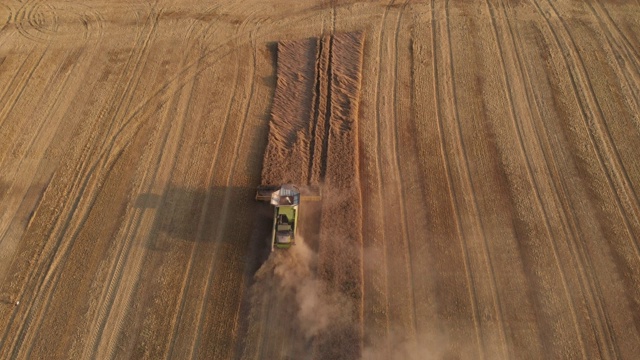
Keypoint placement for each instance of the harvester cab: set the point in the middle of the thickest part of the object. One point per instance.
(286, 201)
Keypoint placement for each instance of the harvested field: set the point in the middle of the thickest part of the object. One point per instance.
(478, 161)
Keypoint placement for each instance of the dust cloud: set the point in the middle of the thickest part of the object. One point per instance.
(317, 308)
(316, 312)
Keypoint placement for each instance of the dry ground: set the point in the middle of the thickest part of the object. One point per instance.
(498, 171)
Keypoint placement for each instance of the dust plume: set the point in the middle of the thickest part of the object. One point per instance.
(316, 308)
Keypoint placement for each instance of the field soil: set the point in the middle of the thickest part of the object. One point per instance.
(478, 164)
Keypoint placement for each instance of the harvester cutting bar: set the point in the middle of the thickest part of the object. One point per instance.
(264, 192)
(307, 193)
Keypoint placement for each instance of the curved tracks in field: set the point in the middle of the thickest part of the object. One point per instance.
(63, 21)
(497, 178)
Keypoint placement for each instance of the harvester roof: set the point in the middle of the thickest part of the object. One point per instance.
(287, 195)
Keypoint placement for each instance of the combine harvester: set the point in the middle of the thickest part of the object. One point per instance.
(286, 201)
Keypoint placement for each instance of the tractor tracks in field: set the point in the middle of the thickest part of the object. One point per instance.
(439, 111)
(35, 147)
(620, 40)
(380, 276)
(400, 188)
(45, 249)
(12, 99)
(189, 278)
(5, 17)
(225, 201)
(469, 191)
(118, 132)
(178, 327)
(58, 252)
(598, 133)
(606, 157)
(26, 147)
(519, 110)
(139, 223)
(128, 276)
(390, 241)
(175, 322)
(40, 21)
(627, 59)
(560, 200)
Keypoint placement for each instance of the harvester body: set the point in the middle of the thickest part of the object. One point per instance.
(285, 220)
(286, 201)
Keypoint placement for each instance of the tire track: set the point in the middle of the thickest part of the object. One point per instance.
(203, 216)
(458, 218)
(569, 228)
(136, 259)
(225, 206)
(129, 90)
(26, 146)
(583, 112)
(40, 307)
(11, 176)
(592, 115)
(131, 256)
(629, 87)
(16, 73)
(183, 75)
(6, 110)
(513, 110)
(379, 236)
(38, 273)
(4, 21)
(103, 158)
(116, 274)
(471, 191)
(50, 109)
(259, 349)
(123, 253)
(208, 193)
(147, 42)
(48, 248)
(41, 22)
(48, 272)
(15, 138)
(50, 277)
(399, 185)
(621, 39)
(108, 164)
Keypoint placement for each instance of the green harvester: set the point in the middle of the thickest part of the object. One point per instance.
(286, 201)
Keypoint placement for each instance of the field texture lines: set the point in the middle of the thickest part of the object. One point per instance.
(477, 163)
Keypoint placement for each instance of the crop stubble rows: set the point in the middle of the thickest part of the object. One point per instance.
(492, 198)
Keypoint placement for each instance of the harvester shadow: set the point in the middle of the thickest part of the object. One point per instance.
(222, 215)
(181, 211)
